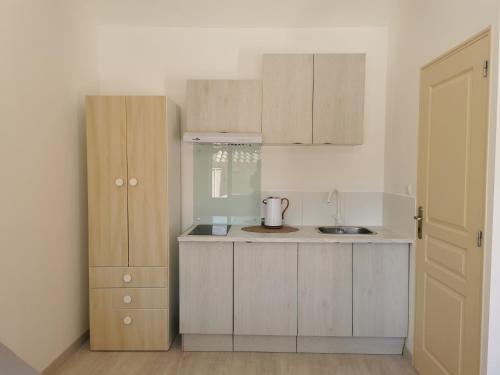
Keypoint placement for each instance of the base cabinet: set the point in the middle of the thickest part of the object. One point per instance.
(380, 290)
(289, 297)
(206, 288)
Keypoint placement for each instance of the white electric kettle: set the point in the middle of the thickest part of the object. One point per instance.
(274, 215)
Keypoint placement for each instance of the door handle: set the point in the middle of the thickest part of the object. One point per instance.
(420, 220)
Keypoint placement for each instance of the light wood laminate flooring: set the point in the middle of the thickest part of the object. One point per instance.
(176, 362)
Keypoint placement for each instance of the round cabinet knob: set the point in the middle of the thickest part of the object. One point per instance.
(127, 320)
(127, 299)
(127, 278)
(119, 182)
(133, 182)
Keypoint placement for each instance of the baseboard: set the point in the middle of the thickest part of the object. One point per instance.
(56, 363)
(407, 355)
(350, 345)
(266, 344)
(207, 343)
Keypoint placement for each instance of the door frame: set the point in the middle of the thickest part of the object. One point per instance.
(489, 190)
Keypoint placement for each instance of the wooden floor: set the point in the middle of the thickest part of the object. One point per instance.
(175, 362)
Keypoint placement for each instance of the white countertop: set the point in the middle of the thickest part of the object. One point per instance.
(304, 234)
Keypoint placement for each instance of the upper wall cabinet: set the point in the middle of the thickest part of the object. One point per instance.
(339, 93)
(224, 106)
(287, 98)
(313, 99)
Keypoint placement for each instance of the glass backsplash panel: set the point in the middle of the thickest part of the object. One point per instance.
(227, 184)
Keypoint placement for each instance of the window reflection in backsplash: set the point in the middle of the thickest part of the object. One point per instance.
(227, 184)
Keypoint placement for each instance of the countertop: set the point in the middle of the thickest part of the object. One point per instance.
(305, 234)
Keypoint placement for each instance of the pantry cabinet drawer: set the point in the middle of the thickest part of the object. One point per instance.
(128, 329)
(139, 298)
(128, 298)
(128, 277)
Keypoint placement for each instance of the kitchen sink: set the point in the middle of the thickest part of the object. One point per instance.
(345, 230)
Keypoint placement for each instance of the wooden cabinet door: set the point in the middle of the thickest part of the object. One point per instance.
(339, 93)
(107, 180)
(287, 97)
(147, 185)
(224, 106)
(265, 289)
(325, 290)
(380, 290)
(206, 287)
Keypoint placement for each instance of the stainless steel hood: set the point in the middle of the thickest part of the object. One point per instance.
(229, 138)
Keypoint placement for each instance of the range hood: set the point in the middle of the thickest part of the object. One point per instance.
(232, 138)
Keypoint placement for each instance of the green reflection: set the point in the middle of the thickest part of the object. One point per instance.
(227, 184)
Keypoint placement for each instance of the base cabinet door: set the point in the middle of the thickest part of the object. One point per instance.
(265, 289)
(206, 288)
(325, 290)
(380, 290)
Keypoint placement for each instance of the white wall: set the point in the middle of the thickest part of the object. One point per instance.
(159, 60)
(45, 68)
(422, 31)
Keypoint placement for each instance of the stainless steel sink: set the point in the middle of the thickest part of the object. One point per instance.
(345, 230)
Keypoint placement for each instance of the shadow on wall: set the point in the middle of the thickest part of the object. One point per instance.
(11, 364)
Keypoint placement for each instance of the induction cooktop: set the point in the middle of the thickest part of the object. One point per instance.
(210, 230)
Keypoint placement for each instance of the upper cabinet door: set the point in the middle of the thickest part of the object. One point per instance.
(107, 180)
(287, 98)
(339, 92)
(147, 183)
(224, 106)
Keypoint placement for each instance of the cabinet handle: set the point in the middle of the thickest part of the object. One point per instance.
(119, 182)
(127, 299)
(133, 182)
(127, 278)
(127, 320)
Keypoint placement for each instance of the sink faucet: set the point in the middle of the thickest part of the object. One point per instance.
(338, 211)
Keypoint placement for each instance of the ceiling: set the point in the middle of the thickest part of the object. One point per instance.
(243, 13)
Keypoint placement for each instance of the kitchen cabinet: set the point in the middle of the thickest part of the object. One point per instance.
(224, 106)
(315, 297)
(265, 289)
(325, 289)
(339, 93)
(206, 288)
(380, 290)
(133, 153)
(313, 99)
(287, 98)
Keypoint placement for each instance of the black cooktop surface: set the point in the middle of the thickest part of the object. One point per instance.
(210, 230)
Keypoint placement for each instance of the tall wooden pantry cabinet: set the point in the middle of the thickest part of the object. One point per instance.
(133, 163)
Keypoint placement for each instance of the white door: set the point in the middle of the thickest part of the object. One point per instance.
(451, 191)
